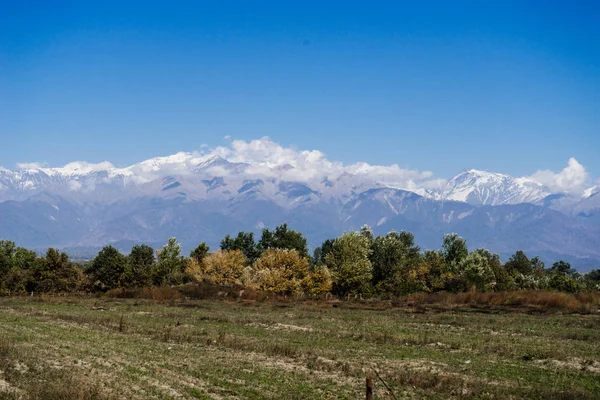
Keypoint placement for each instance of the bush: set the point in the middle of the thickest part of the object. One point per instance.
(565, 283)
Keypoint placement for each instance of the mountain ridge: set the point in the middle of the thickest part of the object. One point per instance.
(202, 197)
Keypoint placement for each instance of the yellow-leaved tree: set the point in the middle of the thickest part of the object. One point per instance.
(221, 268)
(284, 271)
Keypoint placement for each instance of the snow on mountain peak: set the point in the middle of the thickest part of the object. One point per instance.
(591, 191)
(490, 188)
(263, 159)
(79, 168)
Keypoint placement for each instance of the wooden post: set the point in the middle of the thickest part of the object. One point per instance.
(369, 388)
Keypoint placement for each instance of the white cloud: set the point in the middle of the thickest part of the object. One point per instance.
(83, 167)
(269, 159)
(572, 179)
(33, 165)
(74, 185)
(265, 159)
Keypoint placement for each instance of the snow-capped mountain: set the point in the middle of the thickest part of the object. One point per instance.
(487, 188)
(202, 197)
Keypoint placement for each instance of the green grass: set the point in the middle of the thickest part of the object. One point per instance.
(95, 348)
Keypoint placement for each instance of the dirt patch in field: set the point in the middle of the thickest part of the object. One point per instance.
(572, 364)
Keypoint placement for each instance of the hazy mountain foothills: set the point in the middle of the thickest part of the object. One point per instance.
(250, 185)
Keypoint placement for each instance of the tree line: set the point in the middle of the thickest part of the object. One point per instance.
(357, 263)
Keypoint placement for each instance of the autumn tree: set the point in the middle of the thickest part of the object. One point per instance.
(223, 267)
(282, 271)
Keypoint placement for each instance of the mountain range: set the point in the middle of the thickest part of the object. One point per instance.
(201, 197)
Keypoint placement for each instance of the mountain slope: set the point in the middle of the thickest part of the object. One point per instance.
(487, 188)
(203, 197)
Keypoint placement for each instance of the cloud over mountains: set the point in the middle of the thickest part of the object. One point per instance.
(246, 185)
(265, 158)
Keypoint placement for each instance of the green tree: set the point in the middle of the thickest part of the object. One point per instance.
(107, 268)
(519, 263)
(393, 255)
(200, 252)
(244, 242)
(564, 283)
(7, 252)
(593, 275)
(367, 232)
(439, 276)
(592, 279)
(478, 271)
(170, 268)
(321, 252)
(455, 251)
(503, 281)
(561, 267)
(284, 238)
(15, 267)
(349, 264)
(140, 264)
(56, 273)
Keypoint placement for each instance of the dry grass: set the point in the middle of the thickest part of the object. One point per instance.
(241, 348)
(533, 300)
(544, 300)
(25, 378)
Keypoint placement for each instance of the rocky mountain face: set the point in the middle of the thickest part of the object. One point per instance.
(203, 197)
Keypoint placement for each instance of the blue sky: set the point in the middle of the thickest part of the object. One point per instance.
(507, 86)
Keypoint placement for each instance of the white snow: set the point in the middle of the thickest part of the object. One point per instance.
(465, 214)
(589, 192)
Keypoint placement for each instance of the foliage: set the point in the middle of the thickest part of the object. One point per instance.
(395, 261)
(106, 268)
(244, 242)
(564, 283)
(200, 252)
(284, 238)
(357, 263)
(455, 251)
(140, 264)
(170, 268)
(561, 267)
(478, 271)
(282, 271)
(519, 263)
(321, 252)
(349, 264)
(55, 273)
(223, 267)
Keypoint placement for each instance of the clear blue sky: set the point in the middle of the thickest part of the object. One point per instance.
(508, 86)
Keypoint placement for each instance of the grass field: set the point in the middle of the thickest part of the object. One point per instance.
(96, 348)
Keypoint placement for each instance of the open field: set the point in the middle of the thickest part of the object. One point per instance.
(97, 348)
